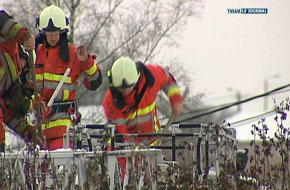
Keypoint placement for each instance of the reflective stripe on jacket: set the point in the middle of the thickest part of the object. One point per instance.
(11, 35)
(50, 69)
(142, 119)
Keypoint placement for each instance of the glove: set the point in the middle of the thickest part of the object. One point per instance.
(16, 100)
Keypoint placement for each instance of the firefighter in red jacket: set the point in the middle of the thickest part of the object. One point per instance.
(53, 56)
(15, 95)
(130, 102)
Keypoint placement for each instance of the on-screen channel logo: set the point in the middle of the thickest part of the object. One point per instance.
(248, 11)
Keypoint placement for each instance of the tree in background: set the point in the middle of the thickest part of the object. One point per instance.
(110, 28)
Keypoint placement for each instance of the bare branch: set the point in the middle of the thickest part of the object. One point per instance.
(116, 5)
(110, 28)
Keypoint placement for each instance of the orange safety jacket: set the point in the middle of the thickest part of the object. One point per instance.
(11, 35)
(50, 69)
(141, 118)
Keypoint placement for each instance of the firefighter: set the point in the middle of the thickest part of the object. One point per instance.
(130, 102)
(53, 56)
(15, 95)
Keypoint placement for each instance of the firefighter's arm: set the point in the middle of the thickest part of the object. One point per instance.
(174, 95)
(26, 131)
(93, 78)
(93, 74)
(12, 29)
(169, 85)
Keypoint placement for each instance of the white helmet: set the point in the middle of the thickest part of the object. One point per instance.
(52, 18)
(124, 72)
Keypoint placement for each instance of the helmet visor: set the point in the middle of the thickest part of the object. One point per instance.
(124, 73)
(125, 84)
(52, 18)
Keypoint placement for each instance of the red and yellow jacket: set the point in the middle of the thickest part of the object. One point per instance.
(50, 69)
(11, 35)
(141, 118)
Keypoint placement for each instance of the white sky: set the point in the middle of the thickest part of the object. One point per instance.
(239, 51)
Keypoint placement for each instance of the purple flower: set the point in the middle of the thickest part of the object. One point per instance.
(283, 115)
(284, 131)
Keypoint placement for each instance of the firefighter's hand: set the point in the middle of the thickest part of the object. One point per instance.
(82, 54)
(45, 110)
(177, 108)
(29, 43)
